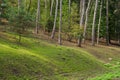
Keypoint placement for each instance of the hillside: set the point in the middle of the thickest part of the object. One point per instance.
(36, 59)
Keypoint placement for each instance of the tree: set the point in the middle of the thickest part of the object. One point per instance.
(20, 20)
(69, 12)
(38, 18)
(69, 20)
(107, 23)
(86, 20)
(81, 22)
(60, 24)
(98, 32)
(55, 19)
(29, 5)
(51, 9)
(93, 25)
(19, 5)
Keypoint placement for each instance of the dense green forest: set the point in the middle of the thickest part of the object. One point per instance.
(59, 39)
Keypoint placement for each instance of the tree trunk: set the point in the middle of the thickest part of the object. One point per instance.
(45, 14)
(98, 34)
(29, 6)
(93, 25)
(55, 19)
(107, 23)
(82, 9)
(38, 17)
(69, 21)
(69, 12)
(19, 5)
(86, 21)
(60, 24)
(51, 10)
(82, 14)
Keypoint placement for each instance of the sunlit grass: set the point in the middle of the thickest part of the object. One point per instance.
(35, 59)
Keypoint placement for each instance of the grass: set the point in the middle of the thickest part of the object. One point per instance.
(113, 75)
(36, 59)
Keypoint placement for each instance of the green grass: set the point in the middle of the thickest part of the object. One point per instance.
(113, 75)
(36, 59)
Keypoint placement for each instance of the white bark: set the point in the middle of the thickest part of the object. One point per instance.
(38, 17)
(60, 23)
(69, 12)
(107, 23)
(19, 4)
(82, 14)
(98, 32)
(54, 26)
(86, 21)
(82, 10)
(51, 10)
(93, 25)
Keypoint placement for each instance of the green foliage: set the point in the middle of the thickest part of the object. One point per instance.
(20, 20)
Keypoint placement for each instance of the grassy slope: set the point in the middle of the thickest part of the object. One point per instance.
(35, 59)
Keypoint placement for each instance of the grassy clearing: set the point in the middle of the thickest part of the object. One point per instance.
(36, 59)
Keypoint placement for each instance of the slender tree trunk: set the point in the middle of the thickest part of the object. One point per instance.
(45, 14)
(29, 6)
(19, 5)
(86, 21)
(107, 23)
(69, 12)
(55, 19)
(60, 24)
(38, 17)
(93, 25)
(51, 9)
(81, 21)
(69, 21)
(98, 32)
(19, 8)
(82, 14)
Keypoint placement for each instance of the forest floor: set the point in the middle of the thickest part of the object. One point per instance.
(40, 59)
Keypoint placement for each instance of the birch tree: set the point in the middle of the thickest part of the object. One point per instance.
(51, 9)
(93, 25)
(69, 12)
(60, 24)
(82, 9)
(29, 5)
(86, 20)
(107, 23)
(55, 19)
(38, 17)
(19, 5)
(98, 32)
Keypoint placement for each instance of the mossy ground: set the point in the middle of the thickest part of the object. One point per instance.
(36, 59)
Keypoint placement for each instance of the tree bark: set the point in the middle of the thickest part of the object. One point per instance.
(19, 5)
(60, 24)
(86, 21)
(29, 6)
(93, 25)
(69, 12)
(82, 9)
(98, 32)
(51, 10)
(38, 17)
(55, 19)
(107, 23)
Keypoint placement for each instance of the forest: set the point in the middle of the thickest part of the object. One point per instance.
(59, 39)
